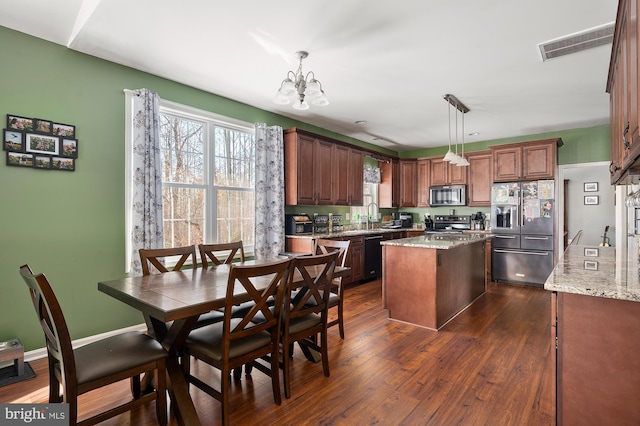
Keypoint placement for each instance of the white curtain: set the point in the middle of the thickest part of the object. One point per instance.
(269, 195)
(146, 190)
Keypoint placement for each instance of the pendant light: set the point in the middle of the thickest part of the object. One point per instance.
(449, 155)
(456, 159)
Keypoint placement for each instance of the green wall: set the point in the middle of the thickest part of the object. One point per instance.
(71, 225)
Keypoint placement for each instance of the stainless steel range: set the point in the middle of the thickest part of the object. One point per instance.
(450, 223)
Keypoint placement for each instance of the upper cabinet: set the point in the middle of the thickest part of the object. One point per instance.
(319, 171)
(444, 173)
(623, 85)
(408, 180)
(480, 178)
(525, 160)
(424, 181)
(389, 188)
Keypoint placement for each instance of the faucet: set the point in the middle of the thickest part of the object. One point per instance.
(368, 207)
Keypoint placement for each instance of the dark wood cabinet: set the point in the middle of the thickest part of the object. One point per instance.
(525, 160)
(408, 189)
(355, 171)
(623, 85)
(480, 179)
(346, 172)
(424, 181)
(445, 173)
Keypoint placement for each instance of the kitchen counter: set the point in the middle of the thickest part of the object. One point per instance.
(441, 241)
(352, 232)
(600, 275)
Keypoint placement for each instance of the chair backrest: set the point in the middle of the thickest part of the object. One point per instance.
(311, 276)
(325, 246)
(264, 283)
(54, 326)
(156, 258)
(207, 252)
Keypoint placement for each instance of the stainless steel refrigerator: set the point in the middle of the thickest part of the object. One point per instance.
(522, 221)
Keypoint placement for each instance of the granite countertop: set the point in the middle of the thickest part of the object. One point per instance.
(438, 241)
(353, 232)
(597, 271)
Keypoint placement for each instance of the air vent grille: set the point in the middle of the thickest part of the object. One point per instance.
(577, 42)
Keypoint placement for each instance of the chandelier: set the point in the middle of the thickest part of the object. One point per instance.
(456, 159)
(300, 88)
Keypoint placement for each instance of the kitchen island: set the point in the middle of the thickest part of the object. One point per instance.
(428, 280)
(595, 336)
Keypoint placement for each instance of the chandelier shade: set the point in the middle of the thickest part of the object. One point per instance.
(301, 89)
(454, 158)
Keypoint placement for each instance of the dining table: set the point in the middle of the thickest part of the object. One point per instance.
(171, 303)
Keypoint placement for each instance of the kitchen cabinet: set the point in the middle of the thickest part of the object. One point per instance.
(424, 181)
(487, 259)
(408, 188)
(525, 161)
(622, 86)
(480, 178)
(444, 173)
(389, 188)
(355, 257)
(320, 171)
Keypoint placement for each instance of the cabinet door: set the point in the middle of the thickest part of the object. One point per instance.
(480, 175)
(439, 172)
(306, 193)
(539, 161)
(355, 258)
(356, 178)
(507, 164)
(322, 174)
(457, 175)
(424, 178)
(408, 190)
(341, 180)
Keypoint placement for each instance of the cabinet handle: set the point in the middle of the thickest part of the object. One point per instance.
(626, 143)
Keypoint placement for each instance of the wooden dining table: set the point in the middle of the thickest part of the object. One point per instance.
(171, 304)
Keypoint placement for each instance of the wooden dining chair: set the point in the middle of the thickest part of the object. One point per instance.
(156, 257)
(230, 344)
(306, 310)
(208, 252)
(336, 297)
(97, 364)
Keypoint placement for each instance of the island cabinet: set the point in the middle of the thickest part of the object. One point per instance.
(623, 84)
(480, 179)
(525, 161)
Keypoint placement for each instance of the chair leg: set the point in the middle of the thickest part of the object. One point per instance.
(286, 360)
(275, 375)
(340, 321)
(161, 397)
(325, 353)
(135, 387)
(224, 395)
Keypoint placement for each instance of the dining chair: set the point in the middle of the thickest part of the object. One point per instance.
(156, 257)
(306, 310)
(97, 364)
(208, 252)
(230, 344)
(336, 297)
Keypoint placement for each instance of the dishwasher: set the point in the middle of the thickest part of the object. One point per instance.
(372, 257)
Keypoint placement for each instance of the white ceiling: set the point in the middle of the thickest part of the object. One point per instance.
(388, 63)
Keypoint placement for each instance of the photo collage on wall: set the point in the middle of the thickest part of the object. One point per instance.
(40, 144)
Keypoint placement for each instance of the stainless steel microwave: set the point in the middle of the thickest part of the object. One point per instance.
(448, 195)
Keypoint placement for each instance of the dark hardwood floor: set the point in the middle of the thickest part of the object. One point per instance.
(489, 366)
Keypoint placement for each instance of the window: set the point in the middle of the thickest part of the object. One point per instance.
(369, 204)
(207, 180)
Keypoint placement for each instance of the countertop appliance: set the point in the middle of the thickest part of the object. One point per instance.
(477, 220)
(448, 195)
(450, 223)
(406, 219)
(372, 257)
(522, 224)
(296, 224)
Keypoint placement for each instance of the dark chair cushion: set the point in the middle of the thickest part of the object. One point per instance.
(207, 341)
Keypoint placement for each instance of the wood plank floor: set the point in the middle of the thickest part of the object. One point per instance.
(489, 366)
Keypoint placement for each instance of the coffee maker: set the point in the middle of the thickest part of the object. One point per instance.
(478, 221)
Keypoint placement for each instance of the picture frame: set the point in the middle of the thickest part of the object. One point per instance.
(68, 147)
(19, 159)
(12, 140)
(42, 162)
(61, 163)
(66, 130)
(590, 200)
(591, 187)
(42, 144)
(42, 126)
(19, 123)
(590, 265)
(591, 252)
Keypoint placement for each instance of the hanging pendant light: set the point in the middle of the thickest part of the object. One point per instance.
(456, 159)
(463, 161)
(449, 155)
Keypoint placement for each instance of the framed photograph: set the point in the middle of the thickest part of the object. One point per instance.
(42, 144)
(69, 148)
(590, 265)
(19, 123)
(19, 159)
(42, 126)
(12, 140)
(64, 130)
(59, 163)
(591, 199)
(591, 187)
(591, 252)
(42, 162)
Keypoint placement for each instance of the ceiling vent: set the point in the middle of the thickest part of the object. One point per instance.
(577, 42)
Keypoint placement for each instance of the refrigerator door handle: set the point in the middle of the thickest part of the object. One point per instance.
(536, 238)
(536, 253)
(506, 237)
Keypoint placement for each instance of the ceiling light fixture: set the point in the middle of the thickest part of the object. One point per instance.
(458, 160)
(301, 87)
